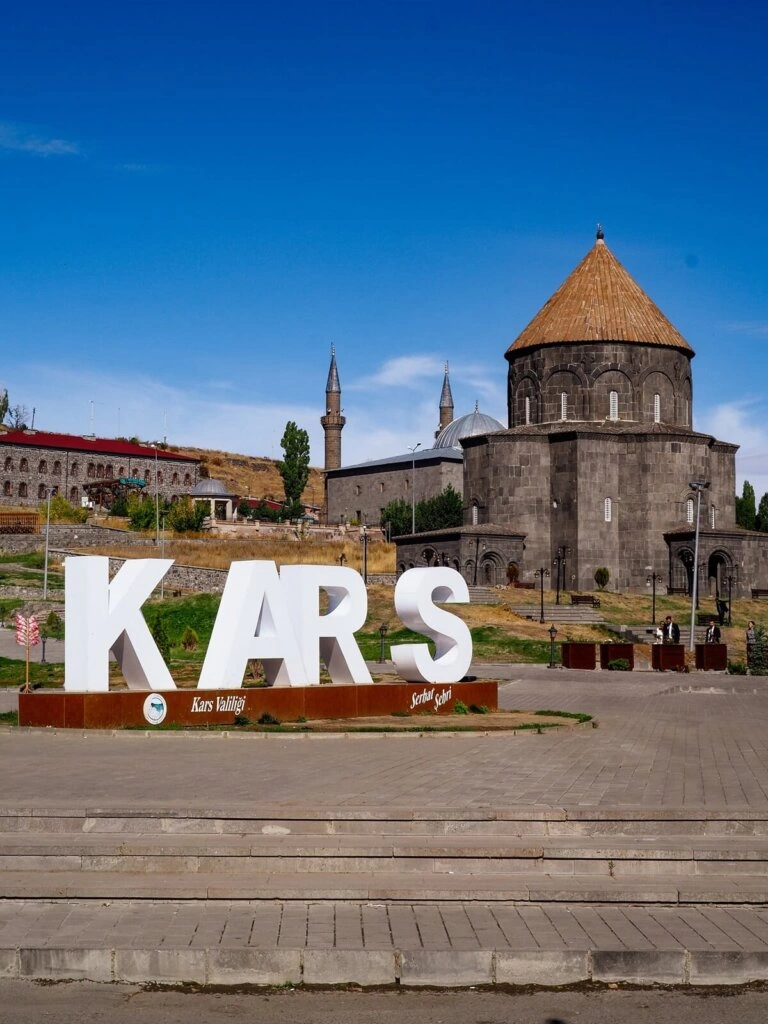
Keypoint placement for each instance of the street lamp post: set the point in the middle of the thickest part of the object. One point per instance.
(47, 536)
(651, 581)
(364, 542)
(559, 564)
(162, 555)
(540, 575)
(413, 485)
(552, 634)
(698, 486)
(383, 630)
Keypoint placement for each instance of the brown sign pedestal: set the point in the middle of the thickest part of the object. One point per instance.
(612, 652)
(668, 657)
(577, 655)
(712, 657)
(124, 708)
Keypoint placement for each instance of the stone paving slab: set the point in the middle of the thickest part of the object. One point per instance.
(370, 944)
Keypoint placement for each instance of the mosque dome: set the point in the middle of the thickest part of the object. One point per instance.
(467, 426)
(210, 488)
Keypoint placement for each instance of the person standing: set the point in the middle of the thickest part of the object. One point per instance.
(713, 633)
(750, 640)
(670, 631)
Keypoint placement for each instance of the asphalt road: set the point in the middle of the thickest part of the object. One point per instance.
(87, 1003)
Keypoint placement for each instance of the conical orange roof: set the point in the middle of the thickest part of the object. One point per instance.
(599, 301)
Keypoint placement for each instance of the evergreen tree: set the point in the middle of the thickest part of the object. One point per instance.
(746, 516)
(294, 469)
(161, 638)
(398, 515)
(762, 514)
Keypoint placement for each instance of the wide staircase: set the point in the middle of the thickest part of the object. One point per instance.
(525, 856)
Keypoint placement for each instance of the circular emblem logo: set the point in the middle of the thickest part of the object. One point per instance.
(155, 708)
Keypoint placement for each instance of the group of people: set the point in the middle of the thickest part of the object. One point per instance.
(669, 632)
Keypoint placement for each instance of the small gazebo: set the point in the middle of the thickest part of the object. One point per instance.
(215, 493)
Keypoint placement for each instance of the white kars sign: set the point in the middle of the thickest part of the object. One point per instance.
(273, 617)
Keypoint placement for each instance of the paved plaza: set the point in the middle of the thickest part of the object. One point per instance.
(689, 748)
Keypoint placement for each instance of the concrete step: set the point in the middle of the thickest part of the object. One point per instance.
(499, 824)
(384, 886)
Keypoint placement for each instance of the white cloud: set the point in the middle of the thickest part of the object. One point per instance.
(18, 139)
(752, 328)
(743, 422)
(402, 372)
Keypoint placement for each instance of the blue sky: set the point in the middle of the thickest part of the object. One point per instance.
(197, 199)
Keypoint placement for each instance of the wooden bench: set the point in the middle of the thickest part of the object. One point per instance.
(585, 599)
(524, 586)
(758, 592)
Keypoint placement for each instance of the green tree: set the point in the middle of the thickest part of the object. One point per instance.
(3, 405)
(762, 514)
(398, 515)
(186, 516)
(602, 575)
(294, 468)
(746, 516)
(54, 626)
(62, 511)
(758, 658)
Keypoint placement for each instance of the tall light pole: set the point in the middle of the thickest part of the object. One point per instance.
(698, 486)
(157, 503)
(413, 485)
(47, 534)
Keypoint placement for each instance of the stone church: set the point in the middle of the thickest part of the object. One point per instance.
(599, 465)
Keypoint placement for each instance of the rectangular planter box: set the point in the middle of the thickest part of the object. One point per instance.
(575, 655)
(712, 657)
(668, 657)
(611, 652)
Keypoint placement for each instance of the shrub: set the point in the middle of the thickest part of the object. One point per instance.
(618, 665)
(267, 719)
(602, 575)
(758, 658)
(460, 708)
(189, 639)
(478, 709)
(737, 668)
(62, 511)
(54, 626)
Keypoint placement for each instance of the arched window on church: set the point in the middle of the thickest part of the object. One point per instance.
(475, 514)
(608, 510)
(689, 510)
(527, 409)
(712, 516)
(613, 405)
(563, 405)
(657, 408)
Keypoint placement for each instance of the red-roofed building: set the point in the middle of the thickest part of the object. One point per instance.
(32, 462)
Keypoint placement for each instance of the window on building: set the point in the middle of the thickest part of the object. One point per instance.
(712, 516)
(100, 471)
(9, 464)
(57, 468)
(187, 480)
(74, 470)
(22, 490)
(527, 409)
(54, 490)
(175, 478)
(613, 405)
(42, 466)
(108, 471)
(74, 497)
(357, 489)
(23, 466)
(147, 476)
(564, 405)
(657, 408)
(689, 510)
(121, 471)
(7, 488)
(608, 510)
(475, 513)
(159, 476)
(91, 470)
(41, 491)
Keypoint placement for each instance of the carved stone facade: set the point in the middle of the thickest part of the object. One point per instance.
(34, 462)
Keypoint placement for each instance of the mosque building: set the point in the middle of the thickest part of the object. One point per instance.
(599, 465)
